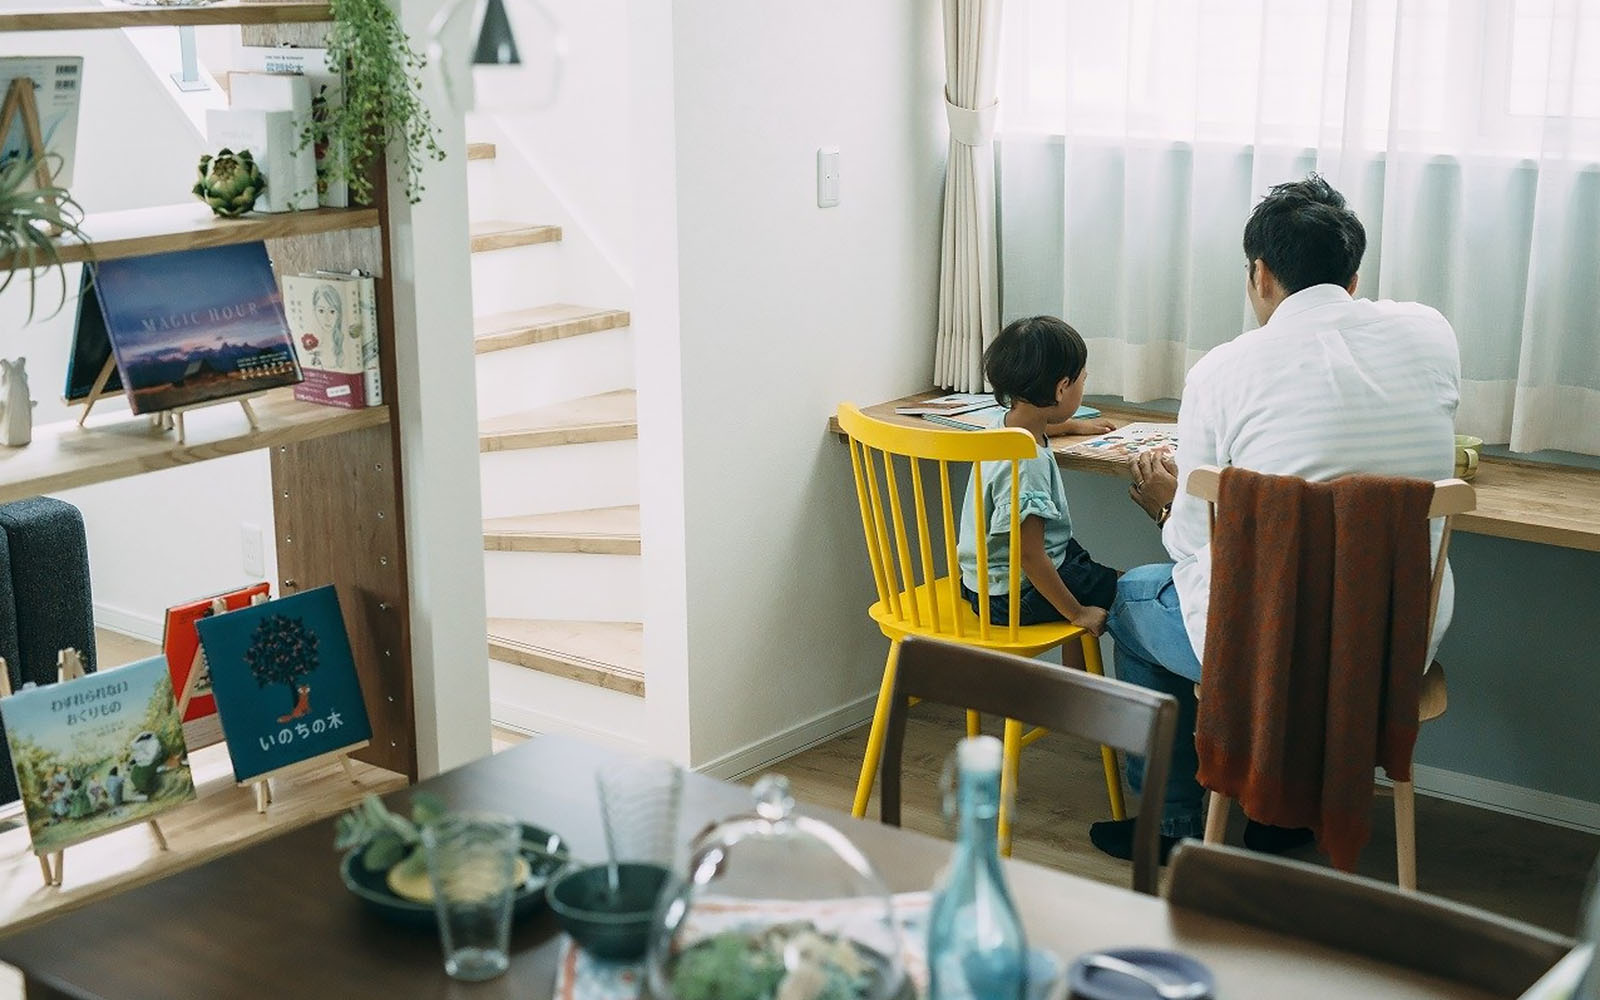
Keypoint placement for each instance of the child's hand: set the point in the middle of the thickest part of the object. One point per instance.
(1084, 428)
(1093, 620)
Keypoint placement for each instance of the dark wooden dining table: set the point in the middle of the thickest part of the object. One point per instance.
(274, 920)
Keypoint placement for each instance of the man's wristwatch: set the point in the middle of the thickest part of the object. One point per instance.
(1161, 518)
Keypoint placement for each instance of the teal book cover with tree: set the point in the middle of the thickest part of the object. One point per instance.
(285, 682)
(97, 753)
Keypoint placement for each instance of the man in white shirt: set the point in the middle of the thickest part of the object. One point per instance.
(1328, 386)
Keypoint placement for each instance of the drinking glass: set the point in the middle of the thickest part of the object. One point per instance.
(472, 868)
(639, 807)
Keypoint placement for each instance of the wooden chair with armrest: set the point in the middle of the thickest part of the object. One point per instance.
(934, 607)
(1496, 954)
(1450, 497)
(1024, 691)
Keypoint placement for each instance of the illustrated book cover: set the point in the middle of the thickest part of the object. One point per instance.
(1125, 442)
(333, 318)
(194, 326)
(181, 644)
(327, 97)
(91, 345)
(57, 88)
(284, 681)
(97, 753)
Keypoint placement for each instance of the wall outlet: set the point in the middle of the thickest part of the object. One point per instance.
(827, 176)
(251, 548)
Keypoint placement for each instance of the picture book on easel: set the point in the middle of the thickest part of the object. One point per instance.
(188, 327)
(284, 681)
(97, 753)
(181, 644)
(56, 86)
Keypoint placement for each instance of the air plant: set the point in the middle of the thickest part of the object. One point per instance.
(33, 220)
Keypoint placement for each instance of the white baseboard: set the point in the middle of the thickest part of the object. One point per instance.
(129, 623)
(737, 764)
(1486, 793)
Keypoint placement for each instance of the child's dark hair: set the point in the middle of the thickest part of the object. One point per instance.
(1031, 357)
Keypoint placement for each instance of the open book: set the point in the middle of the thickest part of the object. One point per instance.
(1125, 442)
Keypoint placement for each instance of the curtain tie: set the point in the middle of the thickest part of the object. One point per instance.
(970, 126)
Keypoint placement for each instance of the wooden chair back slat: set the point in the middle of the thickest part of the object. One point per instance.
(952, 562)
(925, 541)
(1130, 718)
(902, 548)
(1413, 930)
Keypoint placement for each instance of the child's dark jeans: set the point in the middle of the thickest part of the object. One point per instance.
(1094, 585)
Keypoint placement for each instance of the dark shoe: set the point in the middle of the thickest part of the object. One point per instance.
(1115, 837)
(1267, 839)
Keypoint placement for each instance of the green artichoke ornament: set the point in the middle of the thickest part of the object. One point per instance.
(229, 182)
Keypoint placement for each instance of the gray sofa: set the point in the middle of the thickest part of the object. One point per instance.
(45, 600)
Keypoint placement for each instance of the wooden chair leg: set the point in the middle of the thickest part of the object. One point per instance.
(974, 724)
(880, 726)
(1217, 817)
(1010, 767)
(1405, 834)
(1108, 756)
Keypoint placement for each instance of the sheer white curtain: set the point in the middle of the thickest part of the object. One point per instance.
(969, 288)
(1466, 133)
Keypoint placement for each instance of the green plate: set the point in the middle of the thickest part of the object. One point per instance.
(545, 852)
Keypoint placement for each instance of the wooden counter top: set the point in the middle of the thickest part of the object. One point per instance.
(1525, 501)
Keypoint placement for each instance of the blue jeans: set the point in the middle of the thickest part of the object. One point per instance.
(1153, 651)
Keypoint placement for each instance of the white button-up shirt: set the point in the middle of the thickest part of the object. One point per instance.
(1331, 386)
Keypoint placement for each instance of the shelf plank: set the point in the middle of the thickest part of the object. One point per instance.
(140, 231)
(84, 16)
(64, 455)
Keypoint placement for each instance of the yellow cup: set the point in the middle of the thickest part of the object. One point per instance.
(1467, 455)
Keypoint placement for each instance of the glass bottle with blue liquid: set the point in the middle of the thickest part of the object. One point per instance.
(976, 946)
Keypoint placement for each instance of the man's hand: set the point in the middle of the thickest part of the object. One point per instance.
(1081, 428)
(1155, 481)
(1093, 620)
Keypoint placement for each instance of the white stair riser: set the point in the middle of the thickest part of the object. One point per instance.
(543, 703)
(534, 375)
(519, 278)
(563, 586)
(566, 477)
(482, 189)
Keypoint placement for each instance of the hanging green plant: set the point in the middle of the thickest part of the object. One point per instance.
(382, 100)
(31, 220)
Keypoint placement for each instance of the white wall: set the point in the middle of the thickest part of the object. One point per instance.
(172, 536)
(785, 310)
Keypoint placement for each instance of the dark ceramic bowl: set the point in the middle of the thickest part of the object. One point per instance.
(616, 928)
(544, 851)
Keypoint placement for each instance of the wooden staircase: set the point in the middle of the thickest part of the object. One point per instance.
(602, 654)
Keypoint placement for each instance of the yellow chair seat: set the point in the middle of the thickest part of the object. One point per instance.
(1031, 639)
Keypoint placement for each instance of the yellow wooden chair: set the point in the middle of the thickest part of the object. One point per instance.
(935, 607)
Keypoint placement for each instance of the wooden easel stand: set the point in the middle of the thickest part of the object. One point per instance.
(165, 420)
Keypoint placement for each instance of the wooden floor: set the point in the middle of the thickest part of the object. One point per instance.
(223, 819)
(1517, 867)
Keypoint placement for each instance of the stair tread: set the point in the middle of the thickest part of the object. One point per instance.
(544, 323)
(605, 654)
(602, 531)
(611, 416)
(500, 234)
(480, 151)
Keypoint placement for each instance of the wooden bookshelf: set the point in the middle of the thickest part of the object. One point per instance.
(65, 455)
(140, 231)
(84, 16)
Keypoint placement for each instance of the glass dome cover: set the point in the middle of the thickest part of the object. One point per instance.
(776, 906)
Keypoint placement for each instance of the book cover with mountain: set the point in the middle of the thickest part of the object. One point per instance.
(194, 326)
(97, 753)
(285, 681)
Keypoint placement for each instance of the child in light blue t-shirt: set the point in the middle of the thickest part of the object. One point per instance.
(1037, 367)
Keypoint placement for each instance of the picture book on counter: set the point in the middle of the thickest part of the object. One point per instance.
(97, 753)
(186, 327)
(285, 681)
(334, 320)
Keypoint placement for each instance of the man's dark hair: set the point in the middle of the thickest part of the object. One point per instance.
(1306, 235)
(1031, 357)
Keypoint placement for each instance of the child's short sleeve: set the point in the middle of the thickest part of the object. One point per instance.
(1036, 494)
